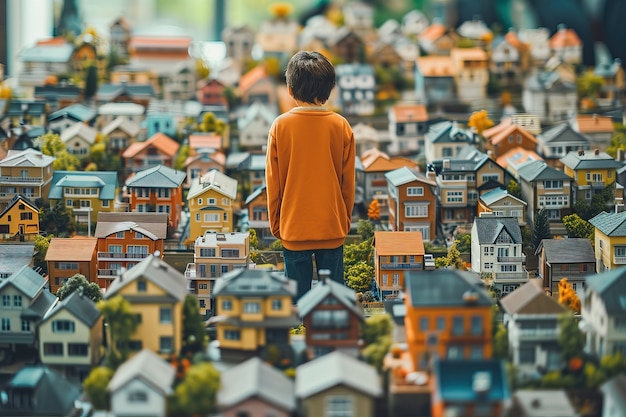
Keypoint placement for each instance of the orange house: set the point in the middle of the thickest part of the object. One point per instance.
(395, 255)
(159, 149)
(125, 239)
(514, 136)
(258, 219)
(412, 202)
(448, 316)
(67, 257)
(158, 190)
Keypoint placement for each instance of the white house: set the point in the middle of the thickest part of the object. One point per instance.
(549, 96)
(255, 125)
(78, 139)
(356, 85)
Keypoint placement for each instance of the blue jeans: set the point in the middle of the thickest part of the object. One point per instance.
(299, 266)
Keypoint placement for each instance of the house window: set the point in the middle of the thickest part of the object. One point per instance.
(415, 191)
(225, 216)
(455, 352)
(135, 345)
(207, 252)
(277, 304)
(106, 203)
(476, 325)
(166, 344)
(416, 211)
(211, 217)
(77, 349)
(232, 335)
(165, 315)
(339, 406)
(137, 397)
(395, 280)
(330, 319)
(6, 300)
(142, 286)
(476, 352)
(197, 217)
(199, 201)
(211, 201)
(202, 286)
(25, 326)
(454, 197)
(69, 203)
(251, 307)
(527, 355)
(63, 326)
(385, 280)
(457, 325)
(119, 235)
(424, 323)
(441, 323)
(139, 235)
(227, 305)
(488, 265)
(26, 216)
(508, 268)
(230, 253)
(17, 300)
(5, 324)
(53, 349)
(488, 250)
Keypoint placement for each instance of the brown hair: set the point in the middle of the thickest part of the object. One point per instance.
(311, 76)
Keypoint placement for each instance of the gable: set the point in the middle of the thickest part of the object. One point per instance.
(152, 289)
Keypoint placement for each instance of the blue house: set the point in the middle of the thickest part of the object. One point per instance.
(160, 122)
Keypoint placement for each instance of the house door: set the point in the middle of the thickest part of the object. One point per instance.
(21, 229)
(276, 336)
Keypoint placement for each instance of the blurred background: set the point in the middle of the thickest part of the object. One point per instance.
(23, 22)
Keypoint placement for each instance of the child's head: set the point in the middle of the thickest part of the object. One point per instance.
(311, 77)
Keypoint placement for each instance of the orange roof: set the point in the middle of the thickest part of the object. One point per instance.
(80, 249)
(564, 38)
(514, 41)
(374, 160)
(410, 112)
(493, 130)
(517, 156)
(205, 141)
(160, 42)
(504, 134)
(398, 243)
(159, 140)
(436, 66)
(468, 54)
(433, 32)
(217, 157)
(53, 41)
(594, 123)
(251, 77)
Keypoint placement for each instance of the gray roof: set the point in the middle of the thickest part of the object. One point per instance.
(255, 378)
(233, 159)
(336, 369)
(543, 403)
(497, 194)
(448, 132)
(473, 161)
(122, 123)
(354, 69)
(213, 180)
(444, 287)
(156, 271)
(405, 175)
(615, 388)
(14, 256)
(26, 158)
(611, 224)
(256, 109)
(157, 177)
(127, 109)
(78, 112)
(564, 132)
(80, 129)
(148, 367)
(567, 251)
(153, 225)
(80, 306)
(325, 289)
(530, 299)
(106, 181)
(549, 81)
(611, 288)
(589, 160)
(26, 280)
(41, 305)
(254, 162)
(254, 283)
(47, 53)
(107, 92)
(18, 198)
(539, 170)
(53, 395)
(489, 228)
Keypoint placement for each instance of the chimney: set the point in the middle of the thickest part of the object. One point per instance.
(323, 276)
(581, 152)
(620, 155)
(596, 151)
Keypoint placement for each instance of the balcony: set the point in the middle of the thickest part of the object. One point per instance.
(409, 265)
(597, 184)
(538, 333)
(28, 180)
(505, 277)
(108, 273)
(521, 259)
(619, 260)
(114, 256)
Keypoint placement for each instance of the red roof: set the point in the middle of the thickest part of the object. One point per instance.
(564, 38)
(159, 140)
(410, 112)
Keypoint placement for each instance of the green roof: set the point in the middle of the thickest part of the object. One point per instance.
(106, 181)
(78, 112)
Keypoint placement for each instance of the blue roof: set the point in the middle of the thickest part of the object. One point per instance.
(78, 112)
(497, 194)
(455, 380)
(157, 177)
(26, 280)
(611, 224)
(106, 181)
(611, 288)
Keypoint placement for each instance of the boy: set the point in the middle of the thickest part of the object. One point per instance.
(309, 174)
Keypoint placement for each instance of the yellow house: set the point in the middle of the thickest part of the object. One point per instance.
(254, 310)
(156, 293)
(20, 218)
(210, 200)
(70, 336)
(592, 172)
(610, 240)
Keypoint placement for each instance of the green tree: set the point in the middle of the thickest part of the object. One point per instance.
(356, 253)
(57, 220)
(50, 144)
(452, 259)
(91, 290)
(181, 158)
(95, 386)
(210, 123)
(121, 323)
(365, 229)
(577, 227)
(501, 342)
(359, 276)
(254, 239)
(618, 140)
(41, 249)
(514, 189)
(542, 228)
(377, 337)
(66, 162)
(571, 338)
(194, 332)
(589, 85)
(91, 82)
(276, 245)
(464, 242)
(196, 394)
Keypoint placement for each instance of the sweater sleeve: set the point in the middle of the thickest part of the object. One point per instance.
(272, 181)
(348, 180)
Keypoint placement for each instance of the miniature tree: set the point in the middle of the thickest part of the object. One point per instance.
(373, 212)
(210, 123)
(254, 239)
(181, 158)
(95, 386)
(589, 85)
(618, 140)
(121, 323)
(577, 227)
(359, 276)
(90, 290)
(202, 69)
(568, 297)
(514, 189)
(196, 394)
(377, 337)
(57, 220)
(571, 338)
(501, 342)
(542, 228)
(41, 249)
(365, 229)
(281, 11)
(356, 253)
(194, 333)
(50, 144)
(480, 121)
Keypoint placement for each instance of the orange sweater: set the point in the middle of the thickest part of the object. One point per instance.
(309, 175)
